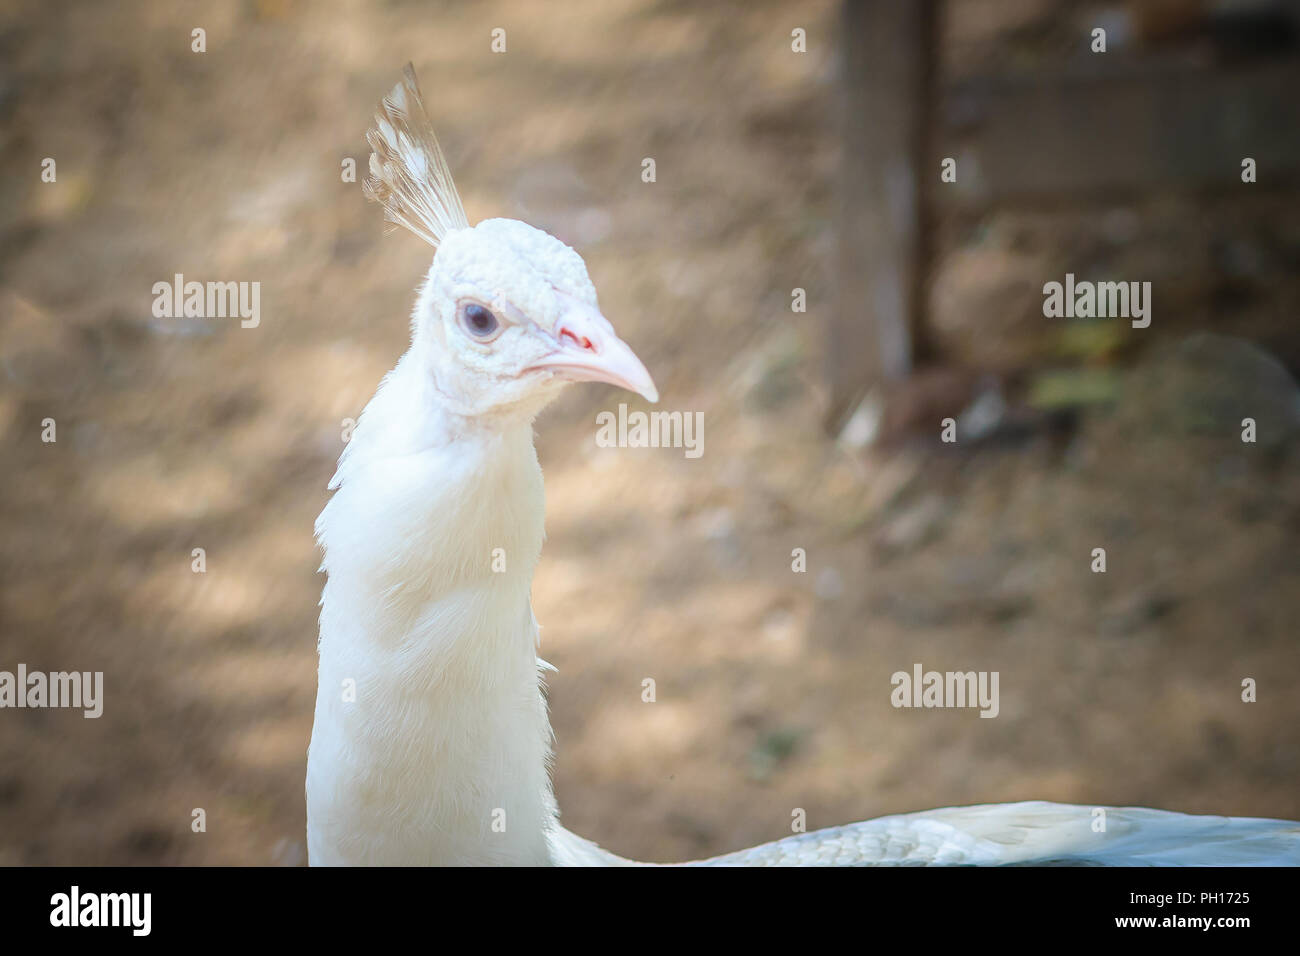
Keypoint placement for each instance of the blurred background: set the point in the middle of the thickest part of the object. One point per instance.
(776, 171)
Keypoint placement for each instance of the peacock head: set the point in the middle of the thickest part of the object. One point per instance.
(507, 314)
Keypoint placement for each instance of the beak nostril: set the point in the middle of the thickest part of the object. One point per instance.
(584, 348)
(581, 342)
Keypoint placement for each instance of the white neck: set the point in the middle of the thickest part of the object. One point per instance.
(441, 758)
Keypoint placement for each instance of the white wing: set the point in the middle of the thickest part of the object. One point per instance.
(1033, 833)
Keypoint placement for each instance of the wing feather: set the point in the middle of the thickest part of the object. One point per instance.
(1007, 834)
(1035, 834)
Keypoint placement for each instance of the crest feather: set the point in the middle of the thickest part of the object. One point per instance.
(409, 175)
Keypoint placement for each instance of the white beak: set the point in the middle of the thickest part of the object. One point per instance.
(589, 351)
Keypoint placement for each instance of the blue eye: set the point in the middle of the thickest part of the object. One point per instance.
(479, 321)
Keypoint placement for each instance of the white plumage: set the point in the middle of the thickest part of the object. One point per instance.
(431, 740)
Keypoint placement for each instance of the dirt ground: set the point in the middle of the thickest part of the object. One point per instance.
(772, 686)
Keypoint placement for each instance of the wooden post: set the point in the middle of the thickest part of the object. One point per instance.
(888, 57)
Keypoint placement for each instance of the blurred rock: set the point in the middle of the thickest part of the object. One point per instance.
(986, 304)
(1207, 384)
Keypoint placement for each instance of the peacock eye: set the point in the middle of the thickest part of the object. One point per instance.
(479, 320)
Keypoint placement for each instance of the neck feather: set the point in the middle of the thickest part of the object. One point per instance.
(431, 739)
